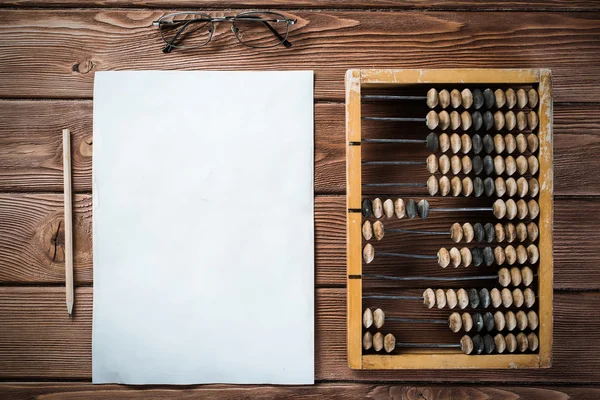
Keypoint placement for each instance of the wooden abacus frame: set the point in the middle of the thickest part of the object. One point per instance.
(436, 359)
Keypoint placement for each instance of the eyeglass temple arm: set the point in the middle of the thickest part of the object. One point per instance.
(283, 40)
(169, 47)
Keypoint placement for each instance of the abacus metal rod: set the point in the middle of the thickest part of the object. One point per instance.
(416, 320)
(399, 119)
(451, 209)
(418, 256)
(393, 141)
(417, 232)
(410, 184)
(394, 163)
(391, 297)
(390, 97)
(430, 278)
(429, 345)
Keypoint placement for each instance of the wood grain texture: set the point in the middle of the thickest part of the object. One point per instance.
(51, 54)
(38, 340)
(342, 391)
(30, 147)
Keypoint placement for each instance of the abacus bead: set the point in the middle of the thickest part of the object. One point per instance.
(468, 232)
(455, 99)
(444, 120)
(389, 343)
(455, 258)
(488, 98)
(532, 320)
(367, 340)
(500, 185)
(507, 298)
(465, 256)
(533, 164)
(511, 254)
(455, 165)
(477, 120)
(499, 255)
(488, 256)
(368, 253)
(444, 140)
(488, 186)
(511, 165)
(463, 298)
(499, 143)
(521, 254)
(455, 322)
(529, 296)
(532, 120)
(440, 298)
(496, 298)
(465, 121)
(455, 143)
(411, 209)
(499, 321)
(477, 321)
(510, 120)
(467, 322)
(511, 233)
(466, 98)
(500, 343)
(465, 143)
(533, 254)
(429, 298)
(432, 164)
(444, 164)
(499, 165)
(499, 232)
(522, 209)
(484, 298)
(499, 120)
(511, 98)
(511, 209)
(378, 318)
(521, 98)
(488, 321)
(522, 165)
(499, 209)
(423, 209)
(515, 276)
(378, 230)
(488, 144)
(399, 208)
(443, 257)
(488, 165)
(367, 318)
(388, 208)
(522, 187)
(454, 120)
(521, 120)
(522, 342)
(432, 98)
(477, 186)
(489, 232)
(444, 184)
(477, 99)
(532, 231)
(532, 97)
(378, 341)
(477, 144)
(432, 119)
(521, 320)
(478, 346)
(456, 232)
(511, 187)
(367, 230)
(511, 320)
(533, 341)
(377, 208)
(467, 164)
(488, 120)
(466, 344)
(477, 255)
(510, 143)
(451, 299)
(432, 185)
(521, 143)
(479, 232)
(456, 185)
(518, 297)
(534, 209)
(511, 343)
(534, 187)
(500, 98)
(527, 275)
(367, 207)
(473, 298)
(444, 98)
(467, 186)
(532, 143)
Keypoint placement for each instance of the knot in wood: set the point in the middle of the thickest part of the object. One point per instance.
(84, 67)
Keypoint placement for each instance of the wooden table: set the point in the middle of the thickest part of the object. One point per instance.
(49, 52)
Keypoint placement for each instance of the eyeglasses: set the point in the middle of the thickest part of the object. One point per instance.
(257, 29)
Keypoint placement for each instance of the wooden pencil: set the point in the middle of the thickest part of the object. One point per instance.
(68, 220)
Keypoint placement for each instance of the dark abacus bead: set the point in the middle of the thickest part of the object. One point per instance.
(477, 321)
(477, 256)
(489, 98)
(477, 120)
(411, 209)
(477, 162)
(488, 321)
(479, 233)
(423, 209)
(490, 232)
(485, 300)
(473, 298)
(478, 345)
(367, 207)
(477, 186)
(488, 165)
(488, 344)
(488, 186)
(488, 144)
(476, 144)
(488, 120)
(477, 99)
(488, 256)
(432, 142)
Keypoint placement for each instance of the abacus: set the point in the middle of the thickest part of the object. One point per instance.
(449, 218)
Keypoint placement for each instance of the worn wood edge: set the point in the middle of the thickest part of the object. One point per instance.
(450, 361)
(378, 77)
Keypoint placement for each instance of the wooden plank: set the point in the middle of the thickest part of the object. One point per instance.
(38, 340)
(54, 55)
(30, 147)
(31, 241)
(342, 391)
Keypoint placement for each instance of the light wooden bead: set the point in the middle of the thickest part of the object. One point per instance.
(521, 209)
(432, 98)
(367, 230)
(511, 98)
(463, 298)
(444, 98)
(499, 321)
(521, 232)
(467, 186)
(510, 143)
(432, 119)
(443, 257)
(522, 342)
(507, 298)
(465, 143)
(456, 232)
(378, 318)
(499, 209)
(367, 318)
(465, 256)
(455, 98)
(467, 164)
(511, 165)
(515, 276)
(510, 120)
(500, 186)
(495, 297)
(532, 231)
(533, 340)
(499, 233)
(451, 299)
(444, 120)
(522, 187)
(389, 343)
(521, 98)
(499, 255)
(444, 140)
(521, 254)
(378, 341)
(499, 143)
(455, 322)
(466, 98)
(466, 121)
(511, 343)
(455, 164)
(527, 275)
(444, 185)
(533, 164)
(454, 120)
(518, 297)
(529, 296)
(378, 230)
(467, 322)
(522, 165)
(388, 208)
(432, 164)
(511, 209)
(511, 321)
(429, 298)
(521, 120)
(532, 97)
(521, 143)
(534, 187)
(500, 98)
(455, 258)
(511, 187)
(432, 185)
(399, 208)
(440, 298)
(532, 120)
(532, 142)
(521, 320)
(533, 254)
(511, 254)
(468, 232)
(367, 340)
(455, 143)
(510, 232)
(499, 165)
(466, 344)
(534, 209)
(504, 277)
(499, 120)
(368, 253)
(444, 164)
(377, 208)
(500, 343)
(456, 186)
(423, 209)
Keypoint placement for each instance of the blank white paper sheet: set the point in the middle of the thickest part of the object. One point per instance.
(203, 227)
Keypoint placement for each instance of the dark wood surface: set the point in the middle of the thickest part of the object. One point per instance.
(50, 51)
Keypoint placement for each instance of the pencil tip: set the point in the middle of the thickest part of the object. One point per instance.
(70, 309)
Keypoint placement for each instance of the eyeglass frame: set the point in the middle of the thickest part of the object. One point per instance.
(229, 18)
